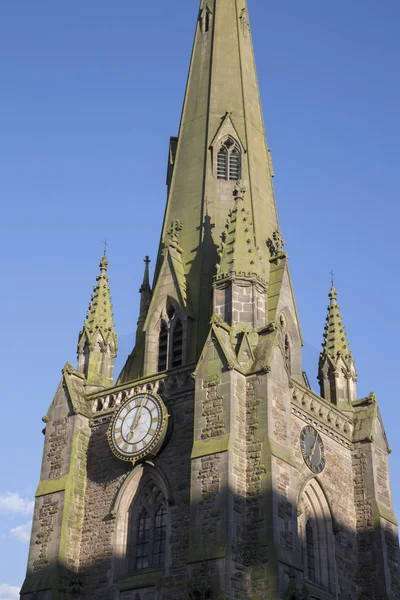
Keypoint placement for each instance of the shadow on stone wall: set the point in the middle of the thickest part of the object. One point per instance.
(358, 570)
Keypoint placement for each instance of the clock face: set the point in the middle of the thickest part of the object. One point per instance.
(138, 428)
(312, 449)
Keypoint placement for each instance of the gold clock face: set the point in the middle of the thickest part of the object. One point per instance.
(312, 449)
(138, 428)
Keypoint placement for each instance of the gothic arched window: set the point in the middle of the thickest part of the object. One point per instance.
(310, 550)
(170, 346)
(148, 529)
(288, 354)
(234, 165)
(229, 161)
(163, 346)
(222, 163)
(316, 537)
(205, 20)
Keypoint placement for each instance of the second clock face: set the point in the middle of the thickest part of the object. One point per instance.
(138, 427)
(312, 449)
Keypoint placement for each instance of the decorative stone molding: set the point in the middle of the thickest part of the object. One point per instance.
(106, 402)
(326, 413)
(276, 244)
(325, 418)
(247, 555)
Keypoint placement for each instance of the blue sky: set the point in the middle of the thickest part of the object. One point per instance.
(90, 93)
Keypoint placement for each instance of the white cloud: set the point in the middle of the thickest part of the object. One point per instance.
(12, 502)
(22, 533)
(8, 592)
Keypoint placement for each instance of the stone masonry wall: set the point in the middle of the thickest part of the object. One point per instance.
(337, 483)
(106, 474)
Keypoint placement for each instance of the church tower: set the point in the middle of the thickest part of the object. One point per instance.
(210, 470)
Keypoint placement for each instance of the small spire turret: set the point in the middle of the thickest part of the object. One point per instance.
(98, 342)
(238, 252)
(337, 374)
(240, 283)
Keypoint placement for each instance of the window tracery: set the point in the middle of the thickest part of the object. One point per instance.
(316, 537)
(229, 161)
(148, 529)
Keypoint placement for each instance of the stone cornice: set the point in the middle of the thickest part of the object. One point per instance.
(176, 382)
(324, 416)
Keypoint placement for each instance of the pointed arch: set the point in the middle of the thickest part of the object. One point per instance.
(229, 160)
(222, 163)
(316, 536)
(141, 510)
(163, 346)
(291, 343)
(171, 337)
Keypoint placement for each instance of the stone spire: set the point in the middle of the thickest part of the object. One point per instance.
(337, 375)
(221, 149)
(221, 109)
(98, 342)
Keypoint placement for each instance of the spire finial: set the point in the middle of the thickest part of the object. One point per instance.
(105, 247)
(333, 278)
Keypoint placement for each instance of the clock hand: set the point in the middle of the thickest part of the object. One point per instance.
(313, 448)
(136, 421)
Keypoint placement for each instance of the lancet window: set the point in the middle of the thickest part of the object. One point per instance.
(288, 354)
(316, 537)
(310, 551)
(205, 20)
(229, 161)
(148, 529)
(170, 342)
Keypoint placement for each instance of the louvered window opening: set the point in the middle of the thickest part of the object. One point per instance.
(163, 347)
(310, 552)
(177, 345)
(229, 165)
(207, 22)
(222, 164)
(234, 165)
(170, 344)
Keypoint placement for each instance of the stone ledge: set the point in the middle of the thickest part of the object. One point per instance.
(51, 486)
(282, 453)
(140, 580)
(386, 514)
(210, 446)
(290, 558)
(214, 551)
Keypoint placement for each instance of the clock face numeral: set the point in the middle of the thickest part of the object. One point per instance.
(138, 427)
(312, 449)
